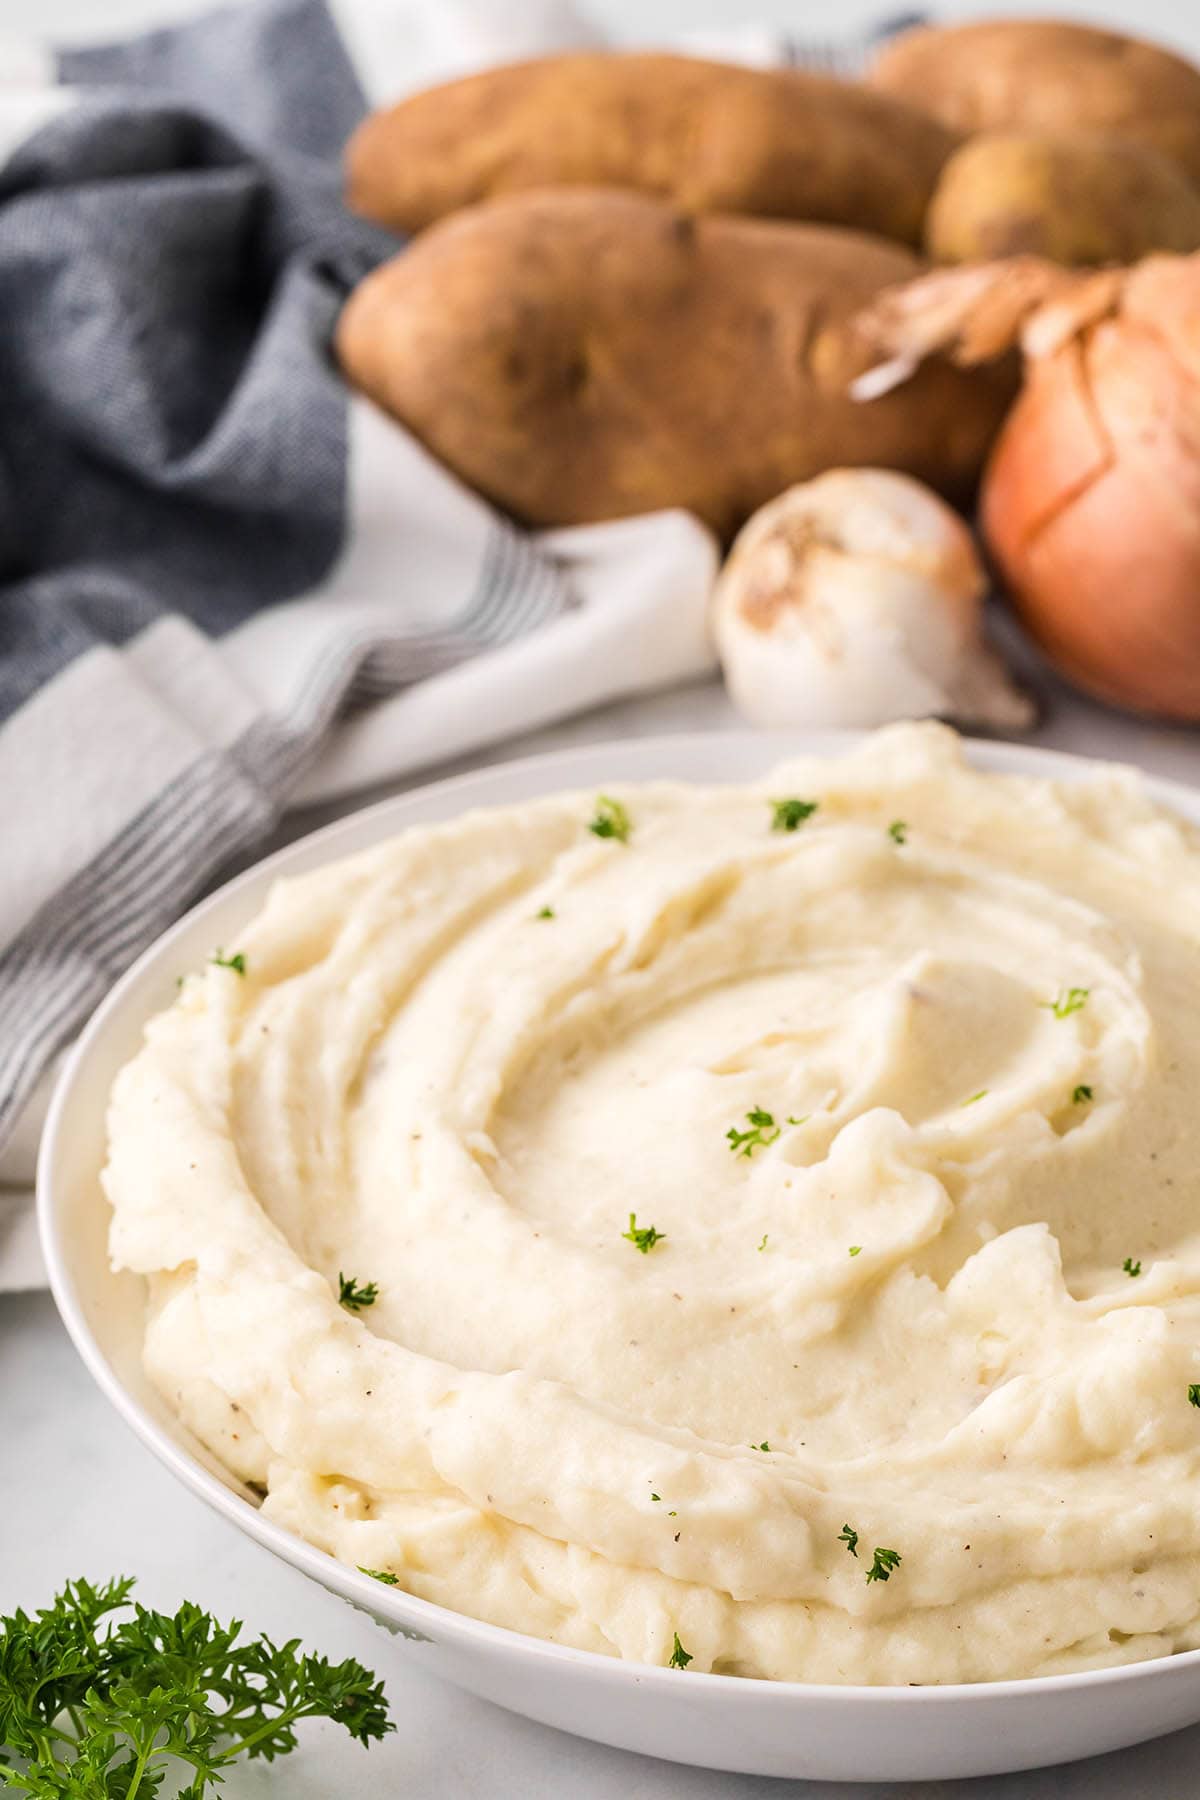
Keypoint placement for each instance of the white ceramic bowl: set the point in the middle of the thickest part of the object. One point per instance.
(717, 1721)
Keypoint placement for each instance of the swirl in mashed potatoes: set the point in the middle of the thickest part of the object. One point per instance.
(901, 1088)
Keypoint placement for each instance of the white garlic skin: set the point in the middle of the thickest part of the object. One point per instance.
(856, 599)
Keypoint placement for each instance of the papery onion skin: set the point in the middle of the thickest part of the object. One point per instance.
(1090, 502)
(1091, 510)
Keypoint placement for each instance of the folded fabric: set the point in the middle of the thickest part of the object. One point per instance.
(226, 585)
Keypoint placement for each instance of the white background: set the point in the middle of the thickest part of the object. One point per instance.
(79, 1496)
(1175, 21)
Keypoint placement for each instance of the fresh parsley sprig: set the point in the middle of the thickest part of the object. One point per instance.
(236, 962)
(642, 1237)
(885, 1561)
(353, 1297)
(761, 1123)
(611, 820)
(789, 815)
(1069, 1000)
(92, 1707)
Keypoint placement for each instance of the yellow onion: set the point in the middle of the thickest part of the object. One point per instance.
(1091, 499)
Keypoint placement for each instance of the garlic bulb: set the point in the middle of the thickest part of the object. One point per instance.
(855, 599)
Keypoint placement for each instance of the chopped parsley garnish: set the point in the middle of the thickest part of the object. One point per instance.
(237, 963)
(885, 1561)
(1082, 1093)
(353, 1297)
(96, 1706)
(747, 1142)
(848, 1536)
(611, 820)
(765, 1236)
(547, 912)
(1130, 1267)
(981, 1095)
(856, 1249)
(1070, 1000)
(384, 1575)
(642, 1237)
(1194, 1392)
(656, 1497)
(789, 815)
(802, 1120)
(680, 1658)
(898, 831)
(763, 1446)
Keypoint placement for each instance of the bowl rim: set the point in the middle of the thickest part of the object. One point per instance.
(396, 1608)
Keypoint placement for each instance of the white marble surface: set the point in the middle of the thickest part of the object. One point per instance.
(78, 1495)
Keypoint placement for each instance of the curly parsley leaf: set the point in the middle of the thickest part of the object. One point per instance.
(680, 1658)
(353, 1297)
(885, 1561)
(93, 1706)
(789, 815)
(643, 1237)
(848, 1536)
(237, 962)
(611, 820)
(1070, 1000)
(761, 1123)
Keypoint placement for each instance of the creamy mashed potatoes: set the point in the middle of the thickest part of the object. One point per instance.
(893, 1384)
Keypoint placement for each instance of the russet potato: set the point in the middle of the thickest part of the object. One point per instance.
(1077, 197)
(1047, 75)
(587, 354)
(712, 137)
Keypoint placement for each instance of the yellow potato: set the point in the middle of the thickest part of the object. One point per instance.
(586, 354)
(1049, 76)
(1075, 197)
(712, 137)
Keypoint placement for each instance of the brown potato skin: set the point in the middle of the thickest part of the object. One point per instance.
(1075, 197)
(709, 136)
(583, 355)
(1047, 75)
